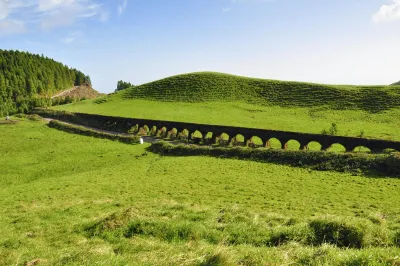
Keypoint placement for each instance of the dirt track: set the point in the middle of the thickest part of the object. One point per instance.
(147, 139)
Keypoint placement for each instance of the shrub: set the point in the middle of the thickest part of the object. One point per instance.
(347, 232)
(317, 160)
(362, 134)
(134, 130)
(337, 232)
(34, 117)
(333, 130)
(20, 115)
(165, 230)
(396, 238)
(100, 100)
(393, 163)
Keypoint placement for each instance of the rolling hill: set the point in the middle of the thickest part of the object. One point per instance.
(208, 86)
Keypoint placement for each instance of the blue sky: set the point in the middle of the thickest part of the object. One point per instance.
(337, 42)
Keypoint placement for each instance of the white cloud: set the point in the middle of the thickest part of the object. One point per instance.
(122, 7)
(3, 9)
(8, 27)
(226, 9)
(45, 5)
(104, 16)
(68, 40)
(386, 13)
(72, 37)
(48, 14)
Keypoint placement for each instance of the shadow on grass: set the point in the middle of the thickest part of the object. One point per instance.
(370, 165)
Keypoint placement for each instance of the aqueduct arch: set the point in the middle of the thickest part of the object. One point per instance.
(122, 125)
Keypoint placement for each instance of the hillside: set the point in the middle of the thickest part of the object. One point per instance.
(28, 80)
(396, 83)
(208, 86)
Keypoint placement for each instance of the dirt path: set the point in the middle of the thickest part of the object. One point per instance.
(147, 139)
(64, 92)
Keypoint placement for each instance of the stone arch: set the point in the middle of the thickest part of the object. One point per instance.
(223, 138)
(313, 146)
(153, 130)
(274, 143)
(134, 129)
(337, 147)
(362, 149)
(176, 132)
(184, 134)
(143, 130)
(172, 132)
(207, 137)
(238, 140)
(179, 133)
(162, 132)
(293, 145)
(390, 150)
(197, 134)
(256, 141)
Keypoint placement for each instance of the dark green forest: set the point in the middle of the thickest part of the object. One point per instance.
(28, 81)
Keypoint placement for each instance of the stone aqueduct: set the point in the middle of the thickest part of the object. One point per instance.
(122, 125)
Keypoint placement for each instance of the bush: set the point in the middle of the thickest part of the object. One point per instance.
(34, 117)
(317, 160)
(336, 232)
(396, 238)
(349, 232)
(20, 115)
(100, 100)
(393, 163)
(332, 131)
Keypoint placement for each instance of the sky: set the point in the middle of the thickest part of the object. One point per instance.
(334, 42)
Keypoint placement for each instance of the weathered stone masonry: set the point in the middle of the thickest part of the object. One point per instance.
(122, 125)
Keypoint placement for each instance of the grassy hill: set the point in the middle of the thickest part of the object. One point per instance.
(214, 98)
(208, 86)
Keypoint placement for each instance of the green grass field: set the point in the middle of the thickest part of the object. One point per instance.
(76, 200)
(221, 99)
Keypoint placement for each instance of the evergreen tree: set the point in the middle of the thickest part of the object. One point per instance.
(122, 85)
(28, 80)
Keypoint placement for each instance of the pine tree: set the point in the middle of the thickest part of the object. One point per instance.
(27, 80)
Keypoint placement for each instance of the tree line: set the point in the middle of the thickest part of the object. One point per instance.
(122, 85)
(28, 81)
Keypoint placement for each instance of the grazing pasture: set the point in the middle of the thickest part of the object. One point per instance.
(77, 200)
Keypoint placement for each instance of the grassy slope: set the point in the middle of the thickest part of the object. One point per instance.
(230, 100)
(54, 184)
